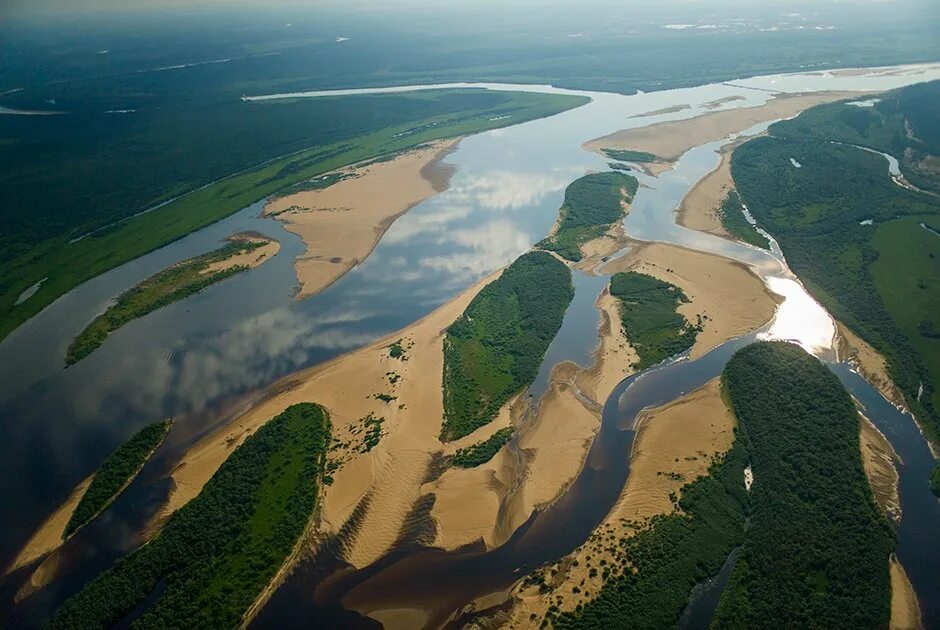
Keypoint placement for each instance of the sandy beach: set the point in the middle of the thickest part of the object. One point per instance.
(880, 460)
(669, 140)
(699, 208)
(674, 444)
(342, 224)
(869, 363)
(731, 300)
(905, 609)
(269, 248)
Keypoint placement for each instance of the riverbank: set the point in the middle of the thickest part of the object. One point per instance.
(342, 223)
(726, 296)
(674, 445)
(699, 209)
(669, 140)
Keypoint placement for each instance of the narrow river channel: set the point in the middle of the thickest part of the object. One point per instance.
(205, 359)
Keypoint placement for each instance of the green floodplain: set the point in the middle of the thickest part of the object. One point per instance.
(218, 552)
(162, 289)
(592, 204)
(732, 217)
(651, 324)
(494, 349)
(856, 238)
(815, 547)
(286, 143)
(115, 473)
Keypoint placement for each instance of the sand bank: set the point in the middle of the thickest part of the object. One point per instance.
(269, 247)
(669, 140)
(879, 460)
(674, 445)
(391, 474)
(731, 300)
(342, 224)
(48, 537)
(699, 209)
(868, 362)
(905, 609)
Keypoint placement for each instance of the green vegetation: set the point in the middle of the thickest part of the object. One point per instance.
(732, 217)
(170, 285)
(397, 350)
(670, 554)
(495, 348)
(935, 480)
(482, 452)
(372, 426)
(592, 204)
(219, 551)
(650, 321)
(117, 471)
(855, 237)
(89, 172)
(630, 156)
(904, 123)
(816, 553)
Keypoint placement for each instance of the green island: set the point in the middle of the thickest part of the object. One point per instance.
(117, 471)
(162, 289)
(816, 552)
(855, 237)
(111, 171)
(650, 322)
(494, 349)
(626, 155)
(732, 217)
(669, 554)
(592, 204)
(219, 551)
(483, 451)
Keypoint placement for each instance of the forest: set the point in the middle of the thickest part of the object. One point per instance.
(162, 289)
(118, 470)
(627, 155)
(217, 553)
(854, 237)
(592, 204)
(671, 553)
(816, 552)
(650, 322)
(732, 217)
(483, 451)
(494, 349)
(86, 175)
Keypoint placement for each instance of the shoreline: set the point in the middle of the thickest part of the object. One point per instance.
(343, 223)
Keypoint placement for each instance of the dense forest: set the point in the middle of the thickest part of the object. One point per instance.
(661, 563)
(904, 123)
(84, 175)
(627, 155)
(495, 348)
(216, 554)
(856, 239)
(483, 451)
(162, 289)
(650, 322)
(732, 217)
(816, 552)
(116, 472)
(592, 204)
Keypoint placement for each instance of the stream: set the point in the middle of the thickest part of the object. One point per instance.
(205, 359)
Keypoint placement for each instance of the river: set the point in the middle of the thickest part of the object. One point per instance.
(203, 359)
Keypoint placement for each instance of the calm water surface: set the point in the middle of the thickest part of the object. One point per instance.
(209, 355)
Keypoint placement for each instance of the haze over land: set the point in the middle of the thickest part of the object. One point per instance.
(626, 318)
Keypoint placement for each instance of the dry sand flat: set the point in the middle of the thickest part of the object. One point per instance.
(251, 258)
(674, 444)
(699, 208)
(879, 459)
(905, 609)
(669, 140)
(342, 224)
(391, 474)
(730, 298)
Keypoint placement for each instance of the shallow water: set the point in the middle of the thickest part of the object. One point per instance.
(212, 352)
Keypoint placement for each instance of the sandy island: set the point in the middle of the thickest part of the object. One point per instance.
(342, 224)
(669, 140)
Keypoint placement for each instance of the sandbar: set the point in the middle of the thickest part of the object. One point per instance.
(669, 140)
(879, 460)
(269, 247)
(343, 223)
(905, 609)
(699, 209)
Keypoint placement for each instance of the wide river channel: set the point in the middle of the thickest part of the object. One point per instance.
(206, 358)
